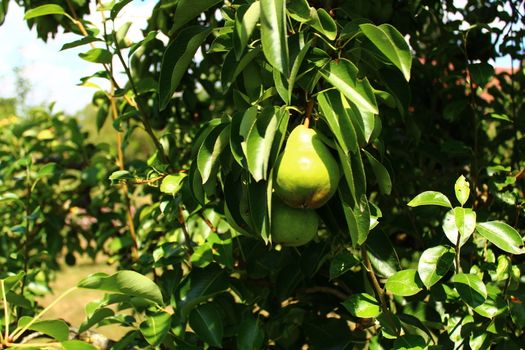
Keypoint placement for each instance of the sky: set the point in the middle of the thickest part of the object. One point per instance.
(54, 75)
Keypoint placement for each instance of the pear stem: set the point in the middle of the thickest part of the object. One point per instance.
(309, 108)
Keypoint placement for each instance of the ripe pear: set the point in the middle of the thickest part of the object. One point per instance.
(292, 226)
(306, 174)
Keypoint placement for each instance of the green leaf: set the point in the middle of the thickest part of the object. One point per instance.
(430, 198)
(321, 21)
(362, 305)
(10, 282)
(342, 74)
(392, 44)
(434, 263)
(207, 323)
(56, 329)
(242, 123)
(470, 288)
(404, 283)
(502, 235)
(410, 342)
(176, 60)
(333, 111)
(125, 282)
(459, 221)
(210, 150)
(251, 334)
(342, 263)
(96, 317)
(187, 10)
(381, 174)
(245, 23)
(260, 141)
(172, 184)
(358, 220)
(80, 42)
(97, 56)
(121, 175)
(49, 9)
(200, 285)
(462, 190)
(481, 73)
(273, 34)
(295, 68)
(155, 327)
(115, 10)
(77, 345)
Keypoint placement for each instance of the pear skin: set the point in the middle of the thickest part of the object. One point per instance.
(292, 226)
(306, 173)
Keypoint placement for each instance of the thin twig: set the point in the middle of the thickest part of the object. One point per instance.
(326, 290)
(6, 312)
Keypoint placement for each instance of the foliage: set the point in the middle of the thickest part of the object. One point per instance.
(403, 97)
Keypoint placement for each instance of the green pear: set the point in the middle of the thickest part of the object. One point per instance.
(306, 173)
(292, 226)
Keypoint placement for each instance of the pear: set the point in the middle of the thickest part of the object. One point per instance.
(306, 173)
(292, 226)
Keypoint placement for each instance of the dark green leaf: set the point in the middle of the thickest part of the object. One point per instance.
(381, 174)
(392, 44)
(115, 10)
(155, 327)
(76, 43)
(177, 58)
(502, 235)
(342, 263)
(470, 288)
(273, 34)
(246, 20)
(404, 283)
(43, 10)
(481, 73)
(251, 334)
(97, 56)
(410, 342)
(96, 317)
(207, 323)
(363, 305)
(187, 10)
(342, 74)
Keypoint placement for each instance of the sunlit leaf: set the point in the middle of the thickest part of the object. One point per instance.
(502, 235)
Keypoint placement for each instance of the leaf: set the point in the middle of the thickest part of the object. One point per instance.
(430, 198)
(338, 120)
(251, 334)
(404, 283)
(199, 286)
(321, 21)
(77, 345)
(362, 305)
(172, 184)
(47, 170)
(155, 327)
(96, 317)
(342, 263)
(259, 142)
(358, 220)
(342, 74)
(115, 10)
(97, 55)
(502, 235)
(187, 10)
(210, 150)
(462, 190)
(470, 288)
(410, 342)
(207, 323)
(80, 42)
(125, 282)
(49, 9)
(120, 175)
(392, 44)
(245, 23)
(176, 59)
(273, 34)
(481, 73)
(465, 219)
(295, 68)
(56, 329)
(381, 174)
(434, 263)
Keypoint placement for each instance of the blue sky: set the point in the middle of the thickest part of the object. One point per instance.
(54, 74)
